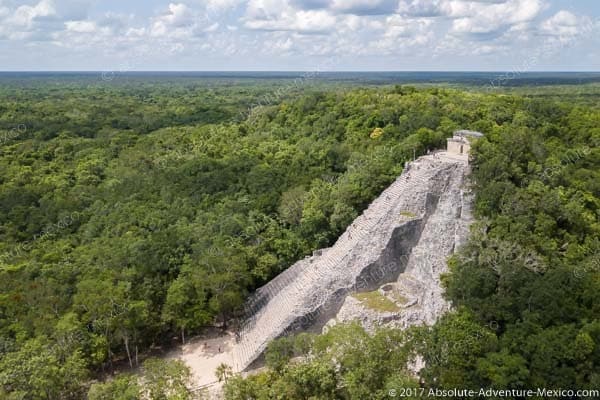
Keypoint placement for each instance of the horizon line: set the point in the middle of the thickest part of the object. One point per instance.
(297, 71)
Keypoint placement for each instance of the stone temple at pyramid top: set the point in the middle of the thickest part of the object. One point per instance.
(460, 142)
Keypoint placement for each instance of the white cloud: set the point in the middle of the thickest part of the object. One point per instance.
(483, 20)
(354, 7)
(178, 16)
(222, 5)
(365, 7)
(266, 9)
(402, 34)
(270, 15)
(41, 20)
(564, 24)
(25, 16)
(181, 21)
(81, 26)
(283, 45)
(424, 8)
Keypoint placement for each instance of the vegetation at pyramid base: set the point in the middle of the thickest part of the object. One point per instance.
(132, 214)
(344, 363)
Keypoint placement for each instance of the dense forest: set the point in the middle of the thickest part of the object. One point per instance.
(135, 214)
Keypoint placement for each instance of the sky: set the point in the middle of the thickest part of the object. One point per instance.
(300, 35)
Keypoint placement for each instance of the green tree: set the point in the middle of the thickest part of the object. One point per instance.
(223, 372)
(36, 371)
(166, 380)
(186, 302)
(278, 353)
(122, 387)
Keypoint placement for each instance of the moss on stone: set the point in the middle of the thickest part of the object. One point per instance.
(376, 301)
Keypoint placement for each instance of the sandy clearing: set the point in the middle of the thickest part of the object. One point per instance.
(204, 354)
